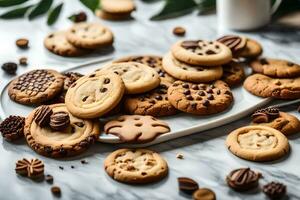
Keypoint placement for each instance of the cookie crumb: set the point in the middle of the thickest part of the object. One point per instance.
(179, 156)
(72, 166)
(23, 61)
(56, 191)
(49, 178)
(179, 31)
(22, 43)
(10, 68)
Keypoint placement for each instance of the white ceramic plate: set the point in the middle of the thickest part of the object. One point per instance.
(181, 124)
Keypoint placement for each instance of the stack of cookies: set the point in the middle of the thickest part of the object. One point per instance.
(80, 39)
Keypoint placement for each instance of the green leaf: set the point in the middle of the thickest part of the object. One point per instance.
(15, 13)
(54, 14)
(175, 8)
(91, 4)
(72, 17)
(206, 6)
(7, 3)
(41, 8)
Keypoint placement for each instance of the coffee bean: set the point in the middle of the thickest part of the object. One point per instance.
(187, 185)
(56, 191)
(22, 43)
(179, 31)
(206, 103)
(186, 92)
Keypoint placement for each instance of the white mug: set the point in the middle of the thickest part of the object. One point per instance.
(245, 14)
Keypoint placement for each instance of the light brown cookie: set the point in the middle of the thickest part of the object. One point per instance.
(138, 78)
(74, 139)
(138, 166)
(118, 6)
(154, 103)
(281, 121)
(201, 52)
(94, 95)
(257, 143)
(233, 73)
(112, 17)
(252, 50)
(276, 68)
(152, 61)
(200, 99)
(264, 86)
(188, 72)
(136, 128)
(89, 35)
(36, 86)
(58, 44)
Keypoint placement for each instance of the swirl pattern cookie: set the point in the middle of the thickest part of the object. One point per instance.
(94, 95)
(36, 86)
(137, 77)
(257, 143)
(192, 73)
(201, 52)
(234, 42)
(73, 140)
(135, 166)
(200, 99)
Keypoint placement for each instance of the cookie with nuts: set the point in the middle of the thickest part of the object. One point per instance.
(200, 99)
(64, 135)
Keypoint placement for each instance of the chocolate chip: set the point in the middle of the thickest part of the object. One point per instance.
(85, 98)
(22, 43)
(106, 81)
(102, 90)
(152, 101)
(62, 151)
(227, 92)
(189, 97)
(206, 102)
(61, 167)
(209, 90)
(72, 166)
(92, 75)
(91, 139)
(198, 98)
(263, 61)
(10, 68)
(186, 92)
(56, 191)
(187, 185)
(185, 85)
(158, 97)
(210, 97)
(48, 149)
(84, 162)
(49, 179)
(195, 87)
(191, 44)
(210, 52)
(201, 93)
(218, 92)
(194, 105)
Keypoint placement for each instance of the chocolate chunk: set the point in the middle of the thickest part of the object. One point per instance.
(185, 85)
(189, 97)
(243, 179)
(22, 43)
(23, 61)
(209, 90)
(102, 90)
(56, 191)
(210, 52)
(42, 115)
(206, 102)
(232, 41)
(210, 97)
(79, 17)
(194, 105)
(275, 190)
(179, 31)
(187, 185)
(10, 68)
(152, 101)
(12, 127)
(204, 194)
(158, 97)
(49, 179)
(195, 87)
(186, 92)
(190, 44)
(48, 149)
(84, 143)
(263, 61)
(59, 120)
(201, 93)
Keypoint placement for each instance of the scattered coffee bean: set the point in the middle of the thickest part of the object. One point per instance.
(10, 68)
(187, 185)
(49, 178)
(179, 31)
(56, 191)
(22, 43)
(23, 61)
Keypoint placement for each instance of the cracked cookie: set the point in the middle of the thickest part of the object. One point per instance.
(264, 86)
(36, 86)
(233, 73)
(188, 72)
(72, 139)
(257, 143)
(95, 94)
(200, 99)
(139, 166)
(136, 128)
(201, 52)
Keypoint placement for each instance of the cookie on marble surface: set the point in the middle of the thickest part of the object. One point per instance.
(94, 95)
(243, 179)
(36, 86)
(201, 52)
(204, 194)
(233, 73)
(200, 99)
(264, 86)
(58, 44)
(252, 50)
(188, 72)
(118, 7)
(154, 103)
(112, 17)
(136, 128)
(272, 117)
(257, 143)
(276, 68)
(235, 42)
(89, 35)
(137, 77)
(73, 139)
(135, 166)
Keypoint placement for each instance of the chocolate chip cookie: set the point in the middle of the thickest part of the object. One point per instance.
(200, 99)
(264, 86)
(276, 68)
(36, 86)
(252, 50)
(118, 6)
(233, 73)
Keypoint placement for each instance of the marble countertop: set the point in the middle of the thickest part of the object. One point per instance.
(206, 158)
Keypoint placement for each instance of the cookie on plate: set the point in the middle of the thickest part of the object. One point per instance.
(36, 86)
(89, 35)
(272, 117)
(276, 68)
(152, 61)
(135, 166)
(94, 95)
(154, 103)
(188, 72)
(137, 77)
(233, 73)
(200, 99)
(264, 86)
(136, 128)
(252, 50)
(235, 42)
(58, 44)
(75, 136)
(201, 52)
(257, 143)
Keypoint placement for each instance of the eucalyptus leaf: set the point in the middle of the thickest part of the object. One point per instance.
(206, 6)
(91, 4)
(41, 8)
(15, 13)
(175, 8)
(8, 3)
(54, 14)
